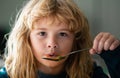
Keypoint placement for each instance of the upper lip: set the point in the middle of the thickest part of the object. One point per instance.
(51, 54)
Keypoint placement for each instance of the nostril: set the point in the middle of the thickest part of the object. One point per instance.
(49, 46)
(52, 46)
(55, 46)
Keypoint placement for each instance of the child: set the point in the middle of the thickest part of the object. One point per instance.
(49, 28)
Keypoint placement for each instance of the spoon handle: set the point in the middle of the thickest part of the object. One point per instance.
(77, 51)
(62, 57)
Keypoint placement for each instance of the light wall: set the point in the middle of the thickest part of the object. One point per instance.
(103, 15)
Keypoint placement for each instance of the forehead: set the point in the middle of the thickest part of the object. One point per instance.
(47, 21)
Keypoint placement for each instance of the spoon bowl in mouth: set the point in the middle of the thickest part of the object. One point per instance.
(58, 58)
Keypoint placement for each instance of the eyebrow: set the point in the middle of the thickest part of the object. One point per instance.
(41, 28)
(64, 29)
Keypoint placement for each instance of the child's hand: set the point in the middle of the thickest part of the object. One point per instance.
(104, 41)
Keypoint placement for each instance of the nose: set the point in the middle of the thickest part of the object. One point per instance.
(52, 43)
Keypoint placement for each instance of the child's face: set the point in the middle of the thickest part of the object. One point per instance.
(50, 40)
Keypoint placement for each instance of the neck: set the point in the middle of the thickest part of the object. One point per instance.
(51, 70)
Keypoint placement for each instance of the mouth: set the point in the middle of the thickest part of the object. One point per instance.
(57, 58)
(51, 56)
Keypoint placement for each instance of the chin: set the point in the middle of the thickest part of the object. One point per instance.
(52, 64)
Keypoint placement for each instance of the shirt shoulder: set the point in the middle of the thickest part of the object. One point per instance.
(98, 72)
(112, 60)
(3, 73)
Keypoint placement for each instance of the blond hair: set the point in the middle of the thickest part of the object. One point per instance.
(20, 62)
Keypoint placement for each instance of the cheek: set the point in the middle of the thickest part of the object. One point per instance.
(37, 51)
(67, 46)
(37, 47)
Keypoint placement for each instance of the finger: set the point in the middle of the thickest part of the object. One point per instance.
(115, 44)
(96, 41)
(109, 42)
(92, 51)
(102, 41)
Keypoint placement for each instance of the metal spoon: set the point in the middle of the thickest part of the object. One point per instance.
(58, 58)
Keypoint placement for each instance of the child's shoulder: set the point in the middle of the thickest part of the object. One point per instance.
(98, 72)
(3, 73)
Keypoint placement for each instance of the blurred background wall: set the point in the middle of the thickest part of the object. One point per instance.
(103, 15)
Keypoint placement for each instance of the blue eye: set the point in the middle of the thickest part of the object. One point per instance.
(42, 33)
(63, 34)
